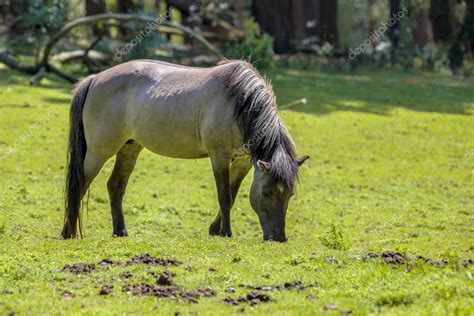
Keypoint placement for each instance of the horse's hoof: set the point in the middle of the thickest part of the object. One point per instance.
(120, 233)
(225, 233)
(66, 234)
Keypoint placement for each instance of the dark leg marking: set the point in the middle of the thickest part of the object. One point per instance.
(238, 171)
(117, 184)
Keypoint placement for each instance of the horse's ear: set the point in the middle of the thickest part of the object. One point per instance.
(301, 160)
(263, 165)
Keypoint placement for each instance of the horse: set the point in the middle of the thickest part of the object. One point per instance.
(227, 113)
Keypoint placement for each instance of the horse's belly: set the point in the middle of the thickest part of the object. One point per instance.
(185, 152)
(171, 140)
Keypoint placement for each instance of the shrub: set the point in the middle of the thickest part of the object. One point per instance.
(334, 239)
(255, 47)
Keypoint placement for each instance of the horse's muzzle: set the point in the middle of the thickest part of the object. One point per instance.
(276, 237)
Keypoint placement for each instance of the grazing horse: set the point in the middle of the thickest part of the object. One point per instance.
(227, 112)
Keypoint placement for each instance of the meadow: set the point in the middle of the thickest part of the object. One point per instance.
(382, 221)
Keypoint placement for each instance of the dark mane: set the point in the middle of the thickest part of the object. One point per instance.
(262, 129)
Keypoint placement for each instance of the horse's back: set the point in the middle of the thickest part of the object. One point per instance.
(160, 105)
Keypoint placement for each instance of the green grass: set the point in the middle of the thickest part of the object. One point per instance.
(388, 171)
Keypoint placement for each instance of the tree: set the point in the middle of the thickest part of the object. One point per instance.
(94, 7)
(328, 22)
(126, 6)
(298, 20)
(274, 17)
(446, 29)
(422, 29)
(442, 16)
(288, 20)
(394, 31)
(467, 30)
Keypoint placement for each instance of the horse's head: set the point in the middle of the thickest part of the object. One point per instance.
(269, 198)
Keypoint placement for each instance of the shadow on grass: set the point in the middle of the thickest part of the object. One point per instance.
(12, 77)
(59, 100)
(375, 93)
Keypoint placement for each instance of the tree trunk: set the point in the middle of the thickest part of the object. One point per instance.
(125, 6)
(328, 22)
(394, 31)
(422, 29)
(441, 17)
(468, 27)
(313, 8)
(372, 23)
(9, 13)
(298, 20)
(94, 7)
(446, 29)
(274, 17)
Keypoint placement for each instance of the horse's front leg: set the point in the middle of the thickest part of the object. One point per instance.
(238, 170)
(220, 168)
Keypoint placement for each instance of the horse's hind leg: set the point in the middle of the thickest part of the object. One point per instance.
(92, 165)
(117, 184)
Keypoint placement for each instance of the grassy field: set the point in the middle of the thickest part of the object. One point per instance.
(391, 169)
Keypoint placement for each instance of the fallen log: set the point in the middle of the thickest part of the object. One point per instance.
(38, 70)
(92, 19)
(11, 62)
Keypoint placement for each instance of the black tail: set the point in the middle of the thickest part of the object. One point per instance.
(76, 154)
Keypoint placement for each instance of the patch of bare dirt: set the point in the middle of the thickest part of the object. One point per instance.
(79, 268)
(146, 258)
(142, 289)
(432, 262)
(393, 257)
(172, 292)
(296, 284)
(106, 289)
(166, 287)
(253, 298)
(194, 295)
(165, 278)
(104, 263)
(126, 275)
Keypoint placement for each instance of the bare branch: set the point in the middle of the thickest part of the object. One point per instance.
(38, 76)
(11, 62)
(123, 17)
